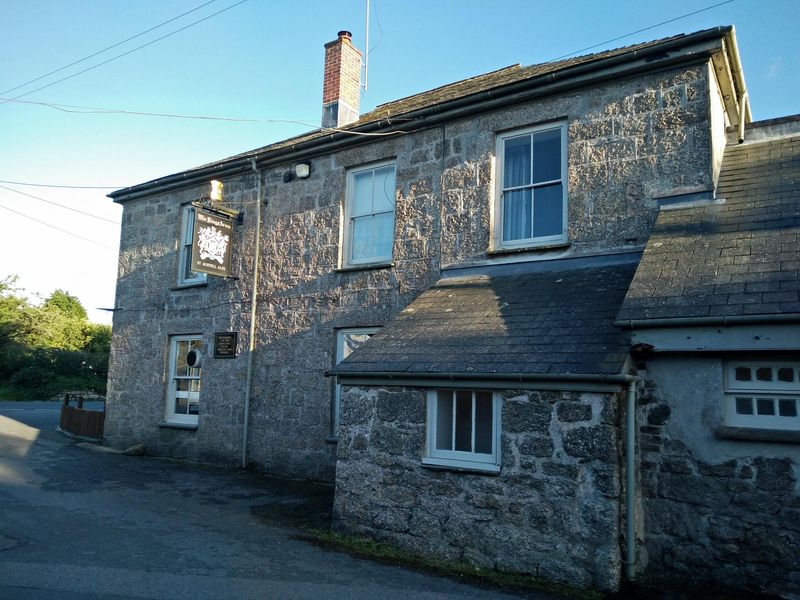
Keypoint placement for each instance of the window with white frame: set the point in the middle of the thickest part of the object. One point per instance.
(463, 429)
(531, 192)
(347, 340)
(185, 274)
(368, 232)
(763, 394)
(183, 395)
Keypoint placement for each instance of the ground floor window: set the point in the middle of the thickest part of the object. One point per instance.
(763, 394)
(463, 429)
(347, 340)
(183, 395)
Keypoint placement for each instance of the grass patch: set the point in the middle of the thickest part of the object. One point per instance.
(385, 553)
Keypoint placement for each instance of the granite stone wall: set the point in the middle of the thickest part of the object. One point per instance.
(629, 141)
(717, 513)
(553, 511)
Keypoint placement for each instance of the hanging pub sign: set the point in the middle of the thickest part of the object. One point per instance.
(211, 243)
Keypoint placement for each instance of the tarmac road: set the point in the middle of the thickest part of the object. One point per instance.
(82, 524)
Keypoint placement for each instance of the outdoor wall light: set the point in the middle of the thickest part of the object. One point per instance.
(299, 171)
(216, 191)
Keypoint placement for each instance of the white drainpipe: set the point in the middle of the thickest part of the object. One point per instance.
(253, 304)
(630, 498)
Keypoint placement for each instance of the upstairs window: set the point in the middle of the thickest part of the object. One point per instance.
(185, 274)
(763, 395)
(531, 199)
(463, 429)
(347, 341)
(368, 235)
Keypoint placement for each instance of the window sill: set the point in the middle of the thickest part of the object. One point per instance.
(186, 286)
(754, 434)
(462, 467)
(171, 425)
(364, 267)
(526, 249)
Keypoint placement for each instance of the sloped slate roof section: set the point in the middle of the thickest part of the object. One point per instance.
(734, 260)
(540, 322)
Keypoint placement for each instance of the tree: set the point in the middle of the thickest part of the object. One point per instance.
(48, 349)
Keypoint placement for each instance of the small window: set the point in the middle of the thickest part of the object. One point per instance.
(347, 340)
(183, 395)
(463, 429)
(531, 198)
(763, 395)
(368, 232)
(185, 274)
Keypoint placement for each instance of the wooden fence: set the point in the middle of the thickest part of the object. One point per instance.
(80, 421)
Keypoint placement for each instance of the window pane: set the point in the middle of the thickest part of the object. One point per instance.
(786, 374)
(787, 408)
(181, 349)
(362, 195)
(383, 191)
(548, 210)
(743, 374)
(483, 422)
(464, 421)
(744, 406)
(363, 244)
(194, 408)
(384, 235)
(181, 406)
(764, 373)
(517, 215)
(547, 155)
(188, 230)
(444, 420)
(765, 406)
(351, 342)
(517, 162)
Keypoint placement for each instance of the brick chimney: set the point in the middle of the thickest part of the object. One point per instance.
(341, 89)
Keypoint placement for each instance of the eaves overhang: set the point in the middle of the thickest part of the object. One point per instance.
(547, 381)
(689, 49)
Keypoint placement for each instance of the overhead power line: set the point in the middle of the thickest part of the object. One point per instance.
(640, 30)
(80, 237)
(87, 110)
(60, 205)
(71, 187)
(113, 58)
(106, 49)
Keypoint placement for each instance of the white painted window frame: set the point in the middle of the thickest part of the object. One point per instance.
(774, 391)
(497, 214)
(341, 334)
(185, 249)
(457, 459)
(172, 393)
(348, 217)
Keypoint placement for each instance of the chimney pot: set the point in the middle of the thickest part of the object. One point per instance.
(345, 34)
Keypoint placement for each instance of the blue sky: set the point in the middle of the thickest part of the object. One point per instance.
(262, 60)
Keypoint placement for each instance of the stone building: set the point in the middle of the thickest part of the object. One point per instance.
(544, 320)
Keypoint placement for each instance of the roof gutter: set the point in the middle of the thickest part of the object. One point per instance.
(586, 74)
(701, 321)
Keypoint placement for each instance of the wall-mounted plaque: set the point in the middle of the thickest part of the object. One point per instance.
(225, 344)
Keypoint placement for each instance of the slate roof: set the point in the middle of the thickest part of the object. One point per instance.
(394, 111)
(467, 87)
(736, 259)
(548, 321)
